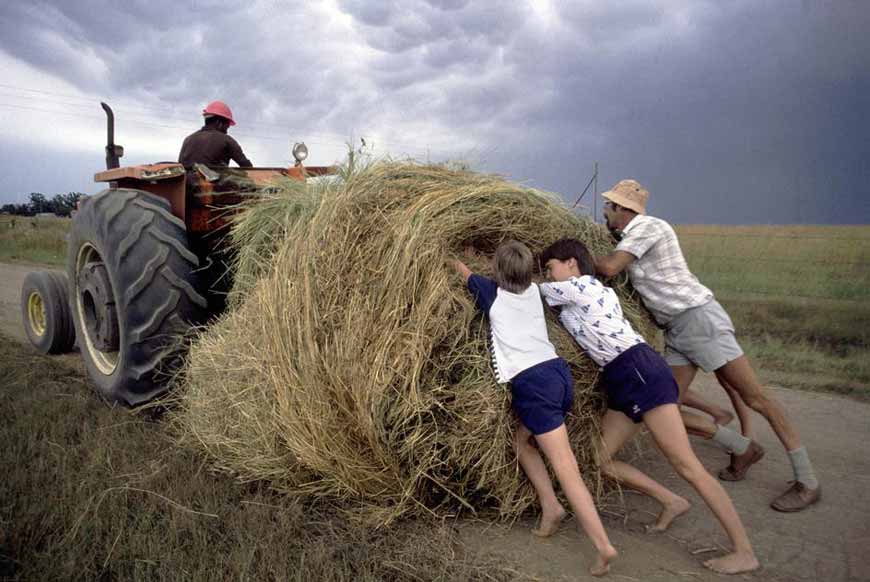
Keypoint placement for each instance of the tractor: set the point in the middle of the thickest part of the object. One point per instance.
(146, 262)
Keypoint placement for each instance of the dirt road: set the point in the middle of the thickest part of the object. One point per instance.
(829, 542)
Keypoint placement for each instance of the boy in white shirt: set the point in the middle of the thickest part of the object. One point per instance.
(541, 389)
(640, 388)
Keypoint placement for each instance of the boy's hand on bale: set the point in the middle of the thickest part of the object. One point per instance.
(461, 268)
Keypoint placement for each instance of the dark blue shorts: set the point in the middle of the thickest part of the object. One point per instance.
(543, 395)
(637, 381)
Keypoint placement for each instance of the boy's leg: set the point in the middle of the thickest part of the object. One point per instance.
(670, 436)
(530, 460)
(616, 429)
(557, 448)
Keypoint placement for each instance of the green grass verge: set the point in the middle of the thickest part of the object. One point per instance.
(799, 297)
(810, 366)
(33, 240)
(821, 262)
(95, 493)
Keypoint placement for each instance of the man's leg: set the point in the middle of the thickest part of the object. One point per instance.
(744, 413)
(695, 423)
(530, 460)
(805, 491)
(745, 451)
(720, 415)
(738, 374)
(616, 429)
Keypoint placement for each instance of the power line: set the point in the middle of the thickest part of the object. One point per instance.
(690, 257)
(728, 294)
(760, 235)
(87, 102)
(157, 125)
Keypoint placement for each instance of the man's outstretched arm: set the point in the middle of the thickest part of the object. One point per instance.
(613, 264)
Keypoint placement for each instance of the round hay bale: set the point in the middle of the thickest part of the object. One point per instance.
(353, 364)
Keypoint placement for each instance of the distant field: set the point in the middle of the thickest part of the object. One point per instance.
(826, 262)
(33, 240)
(799, 297)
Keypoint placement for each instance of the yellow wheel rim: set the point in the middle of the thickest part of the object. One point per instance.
(36, 313)
(106, 362)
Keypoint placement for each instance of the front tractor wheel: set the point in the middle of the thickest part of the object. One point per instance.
(132, 291)
(45, 312)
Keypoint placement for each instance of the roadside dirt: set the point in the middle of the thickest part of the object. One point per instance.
(830, 541)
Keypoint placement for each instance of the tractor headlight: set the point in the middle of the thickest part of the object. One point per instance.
(300, 152)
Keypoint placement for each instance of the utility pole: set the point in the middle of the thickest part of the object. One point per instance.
(595, 193)
(592, 180)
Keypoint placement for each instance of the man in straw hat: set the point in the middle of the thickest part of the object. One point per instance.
(698, 333)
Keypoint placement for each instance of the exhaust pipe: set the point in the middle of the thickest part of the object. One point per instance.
(113, 152)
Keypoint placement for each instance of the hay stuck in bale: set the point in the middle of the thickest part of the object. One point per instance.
(353, 365)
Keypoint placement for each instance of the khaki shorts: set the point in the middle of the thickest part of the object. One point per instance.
(702, 336)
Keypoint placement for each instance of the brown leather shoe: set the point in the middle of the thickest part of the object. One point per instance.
(797, 498)
(740, 464)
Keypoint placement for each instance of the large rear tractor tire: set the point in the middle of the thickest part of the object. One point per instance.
(45, 312)
(133, 292)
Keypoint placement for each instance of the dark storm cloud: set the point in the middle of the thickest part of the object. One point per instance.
(163, 50)
(737, 111)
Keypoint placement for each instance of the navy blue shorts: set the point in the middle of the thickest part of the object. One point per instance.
(637, 381)
(543, 395)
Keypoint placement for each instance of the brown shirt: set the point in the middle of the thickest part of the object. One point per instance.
(213, 148)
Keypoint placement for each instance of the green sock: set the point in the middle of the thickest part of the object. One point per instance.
(731, 440)
(803, 469)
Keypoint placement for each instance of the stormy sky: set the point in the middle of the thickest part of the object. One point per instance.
(729, 112)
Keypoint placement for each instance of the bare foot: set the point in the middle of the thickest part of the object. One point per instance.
(669, 513)
(602, 563)
(723, 417)
(733, 563)
(549, 523)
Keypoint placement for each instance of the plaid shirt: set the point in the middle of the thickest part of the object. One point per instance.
(660, 273)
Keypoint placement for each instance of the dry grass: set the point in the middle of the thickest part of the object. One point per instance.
(354, 366)
(94, 493)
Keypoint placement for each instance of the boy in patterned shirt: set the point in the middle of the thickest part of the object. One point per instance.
(640, 388)
(541, 390)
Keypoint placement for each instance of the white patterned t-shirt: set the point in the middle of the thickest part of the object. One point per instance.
(593, 316)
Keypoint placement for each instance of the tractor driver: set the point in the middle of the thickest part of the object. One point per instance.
(211, 145)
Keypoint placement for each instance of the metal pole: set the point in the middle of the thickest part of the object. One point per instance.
(595, 193)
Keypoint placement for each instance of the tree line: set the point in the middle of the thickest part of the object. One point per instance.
(59, 204)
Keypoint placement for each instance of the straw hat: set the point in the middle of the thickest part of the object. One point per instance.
(630, 194)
